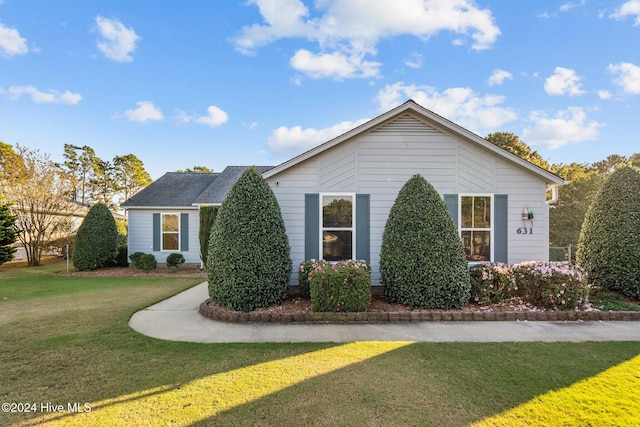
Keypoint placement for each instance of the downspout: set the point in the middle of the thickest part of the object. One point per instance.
(554, 193)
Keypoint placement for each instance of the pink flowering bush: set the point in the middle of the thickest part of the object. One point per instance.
(551, 285)
(305, 268)
(546, 285)
(491, 283)
(341, 286)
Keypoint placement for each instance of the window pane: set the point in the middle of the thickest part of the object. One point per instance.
(170, 223)
(481, 212)
(336, 211)
(336, 245)
(477, 245)
(467, 212)
(170, 242)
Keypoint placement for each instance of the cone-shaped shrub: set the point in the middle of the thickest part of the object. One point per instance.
(609, 244)
(96, 242)
(248, 261)
(422, 260)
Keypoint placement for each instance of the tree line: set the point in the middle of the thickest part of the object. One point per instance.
(44, 196)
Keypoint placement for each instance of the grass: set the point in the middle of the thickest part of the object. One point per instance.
(65, 340)
(605, 301)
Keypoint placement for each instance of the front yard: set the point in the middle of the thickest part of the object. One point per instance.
(66, 342)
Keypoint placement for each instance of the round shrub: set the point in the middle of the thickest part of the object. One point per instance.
(142, 261)
(551, 285)
(175, 260)
(609, 244)
(96, 242)
(303, 277)
(422, 260)
(248, 259)
(343, 286)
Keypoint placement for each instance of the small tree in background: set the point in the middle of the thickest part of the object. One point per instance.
(208, 216)
(8, 233)
(422, 260)
(609, 245)
(248, 261)
(96, 242)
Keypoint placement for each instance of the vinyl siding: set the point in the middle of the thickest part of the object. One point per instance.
(380, 161)
(141, 234)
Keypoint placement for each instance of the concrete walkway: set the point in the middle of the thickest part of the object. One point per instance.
(178, 319)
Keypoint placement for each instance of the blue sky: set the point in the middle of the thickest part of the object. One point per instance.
(217, 83)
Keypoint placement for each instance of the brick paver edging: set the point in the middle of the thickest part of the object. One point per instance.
(409, 316)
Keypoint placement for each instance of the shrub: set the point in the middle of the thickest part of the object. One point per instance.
(343, 286)
(175, 260)
(557, 254)
(609, 241)
(553, 285)
(491, 283)
(142, 261)
(248, 260)
(422, 260)
(208, 216)
(303, 277)
(8, 233)
(121, 259)
(96, 242)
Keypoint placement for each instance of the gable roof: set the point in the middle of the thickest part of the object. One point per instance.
(217, 191)
(429, 116)
(179, 190)
(173, 189)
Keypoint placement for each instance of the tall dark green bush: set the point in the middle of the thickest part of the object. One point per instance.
(609, 244)
(208, 216)
(248, 262)
(8, 233)
(96, 242)
(422, 260)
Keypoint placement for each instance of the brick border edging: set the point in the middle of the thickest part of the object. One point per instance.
(411, 316)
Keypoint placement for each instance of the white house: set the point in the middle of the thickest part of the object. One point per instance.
(336, 197)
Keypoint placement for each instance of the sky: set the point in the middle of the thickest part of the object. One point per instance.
(181, 83)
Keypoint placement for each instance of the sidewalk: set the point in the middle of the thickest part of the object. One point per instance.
(177, 319)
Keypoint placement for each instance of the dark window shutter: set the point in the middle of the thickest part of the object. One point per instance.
(311, 226)
(451, 200)
(184, 232)
(156, 231)
(501, 228)
(363, 234)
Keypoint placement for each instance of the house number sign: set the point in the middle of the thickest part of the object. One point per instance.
(525, 230)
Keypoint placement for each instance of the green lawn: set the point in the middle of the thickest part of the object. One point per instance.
(65, 340)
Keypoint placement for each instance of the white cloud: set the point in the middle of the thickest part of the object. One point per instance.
(629, 8)
(348, 30)
(499, 76)
(11, 43)
(335, 65)
(568, 6)
(604, 94)
(39, 97)
(214, 118)
(414, 60)
(568, 126)
(118, 42)
(294, 140)
(460, 105)
(564, 81)
(627, 76)
(145, 112)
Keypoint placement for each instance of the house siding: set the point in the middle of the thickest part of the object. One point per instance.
(141, 234)
(380, 162)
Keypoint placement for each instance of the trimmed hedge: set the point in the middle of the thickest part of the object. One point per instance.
(343, 286)
(491, 283)
(609, 244)
(208, 216)
(175, 260)
(96, 242)
(422, 260)
(303, 277)
(142, 261)
(248, 259)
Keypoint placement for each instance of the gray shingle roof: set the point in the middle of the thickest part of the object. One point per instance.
(175, 189)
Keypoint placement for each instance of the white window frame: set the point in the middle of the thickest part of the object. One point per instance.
(353, 222)
(162, 232)
(492, 224)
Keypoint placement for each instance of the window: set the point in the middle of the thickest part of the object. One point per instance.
(476, 225)
(337, 217)
(170, 232)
